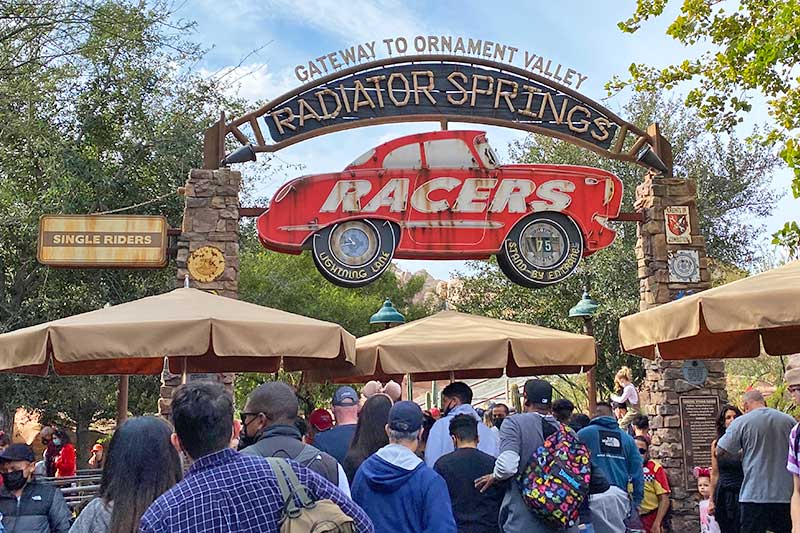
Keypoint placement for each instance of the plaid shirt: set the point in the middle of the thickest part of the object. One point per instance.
(230, 492)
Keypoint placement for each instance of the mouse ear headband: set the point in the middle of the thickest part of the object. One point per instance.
(700, 471)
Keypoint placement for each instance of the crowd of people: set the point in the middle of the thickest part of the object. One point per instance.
(375, 463)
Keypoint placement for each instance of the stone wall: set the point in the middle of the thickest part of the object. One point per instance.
(664, 383)
(210, 218)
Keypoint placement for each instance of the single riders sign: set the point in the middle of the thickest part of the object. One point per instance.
(444, 89)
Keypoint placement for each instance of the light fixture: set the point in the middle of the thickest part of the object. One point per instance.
(387, 315)
(649, 158)
(240, 155)
(585, 308)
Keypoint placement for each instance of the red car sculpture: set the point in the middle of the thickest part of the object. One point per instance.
(442, 195)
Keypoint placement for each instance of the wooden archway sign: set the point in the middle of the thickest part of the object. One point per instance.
(437, 88)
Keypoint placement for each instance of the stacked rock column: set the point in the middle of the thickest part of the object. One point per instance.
(210, 218)
(664, 383)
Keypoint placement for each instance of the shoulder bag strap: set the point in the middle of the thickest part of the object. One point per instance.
(297, 487)
(276, 464)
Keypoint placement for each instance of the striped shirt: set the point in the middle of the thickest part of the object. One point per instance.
(793, 464)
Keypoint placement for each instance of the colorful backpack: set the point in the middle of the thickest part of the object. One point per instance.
(555, 482)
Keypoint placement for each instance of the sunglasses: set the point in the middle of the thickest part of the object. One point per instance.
(794, 388)
(244, 416)
(642, 451)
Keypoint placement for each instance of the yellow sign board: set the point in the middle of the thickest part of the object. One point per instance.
(103, 241)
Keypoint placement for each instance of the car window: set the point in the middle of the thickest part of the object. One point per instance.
(448, 153)
(363, 158)
(406, 156)
(485, 151)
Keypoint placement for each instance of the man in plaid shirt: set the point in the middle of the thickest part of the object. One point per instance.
(225, 491)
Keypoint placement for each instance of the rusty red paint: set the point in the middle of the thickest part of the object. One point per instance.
(465, 214)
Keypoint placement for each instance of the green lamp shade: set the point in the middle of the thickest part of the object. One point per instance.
(585, 308)
(387, 314)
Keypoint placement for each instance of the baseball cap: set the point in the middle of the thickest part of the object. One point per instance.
(405, 416)
(538, 391)
(97, 447)
(345, 397)
(563, 404)
(792, 377)
(321, 419)
(17, 452)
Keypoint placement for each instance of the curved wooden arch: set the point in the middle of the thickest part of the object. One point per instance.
(618, 139)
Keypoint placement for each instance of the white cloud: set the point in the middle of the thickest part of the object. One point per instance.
(355, 20)
(255, 81)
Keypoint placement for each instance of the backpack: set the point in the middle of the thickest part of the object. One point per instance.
(323, 516)
(555, 481)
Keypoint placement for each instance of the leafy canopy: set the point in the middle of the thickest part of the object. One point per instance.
(745, 48)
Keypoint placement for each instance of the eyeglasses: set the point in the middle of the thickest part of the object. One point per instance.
(794, 388)
(643, 451)
(244, 416)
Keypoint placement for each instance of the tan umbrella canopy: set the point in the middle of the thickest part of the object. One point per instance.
(463, 346)
(200, 332)
(732, 320)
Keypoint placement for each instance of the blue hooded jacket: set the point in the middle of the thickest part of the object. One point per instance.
(615, 452)
(401, 494)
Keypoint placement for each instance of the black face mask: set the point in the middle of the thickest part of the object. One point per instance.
(245, 440)
(497, 422)
(14, 480)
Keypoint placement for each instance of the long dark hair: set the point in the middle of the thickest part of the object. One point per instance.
(140, 466)
(721, 418)
(370, 435)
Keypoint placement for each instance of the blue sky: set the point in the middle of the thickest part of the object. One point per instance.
(580, 34)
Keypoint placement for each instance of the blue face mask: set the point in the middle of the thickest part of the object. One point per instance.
(57, 442)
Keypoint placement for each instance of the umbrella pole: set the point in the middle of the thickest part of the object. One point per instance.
(409, 388)
(184, 375)
(122, 400)
(452, 376)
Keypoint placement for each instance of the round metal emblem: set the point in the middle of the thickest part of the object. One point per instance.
(206, 264)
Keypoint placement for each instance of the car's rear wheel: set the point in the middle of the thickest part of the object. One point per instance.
(354, 253)
(541, 249)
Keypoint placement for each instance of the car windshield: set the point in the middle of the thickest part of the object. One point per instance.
(363, 158)
(488, 156)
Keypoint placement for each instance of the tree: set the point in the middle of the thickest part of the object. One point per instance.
(733, 185)
(750, 47)
(292, 283)
(101, 112)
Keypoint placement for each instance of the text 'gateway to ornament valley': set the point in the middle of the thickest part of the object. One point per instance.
(439, 89)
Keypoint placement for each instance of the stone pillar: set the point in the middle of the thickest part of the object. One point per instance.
(664, 382)
(210, 219)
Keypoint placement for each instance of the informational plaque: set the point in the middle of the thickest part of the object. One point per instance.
(103, 241)
(698, 431)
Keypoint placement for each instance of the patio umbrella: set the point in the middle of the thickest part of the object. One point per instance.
(732, 320)
(200, 332)
(457, 345)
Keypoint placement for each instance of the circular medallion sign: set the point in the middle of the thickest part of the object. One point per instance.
(695, 372)
(206, 264)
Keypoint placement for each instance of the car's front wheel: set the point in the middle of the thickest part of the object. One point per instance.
(354, 253)
(541, 249)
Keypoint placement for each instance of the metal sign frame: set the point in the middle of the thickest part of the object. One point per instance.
(626, 144)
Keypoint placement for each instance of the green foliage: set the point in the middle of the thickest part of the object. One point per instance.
(292, 283)
(731, 188)
(100, 111)
(749, 47)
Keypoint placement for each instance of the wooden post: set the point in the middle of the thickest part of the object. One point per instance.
(122, 400)
(591, 376)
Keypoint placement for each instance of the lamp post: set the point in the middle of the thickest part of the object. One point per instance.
(585, 309)
(389, 316)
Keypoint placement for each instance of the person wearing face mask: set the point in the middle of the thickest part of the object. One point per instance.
(456, 400)
(26, 505)
(499, 413)
(65, 461)
(268, 430)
